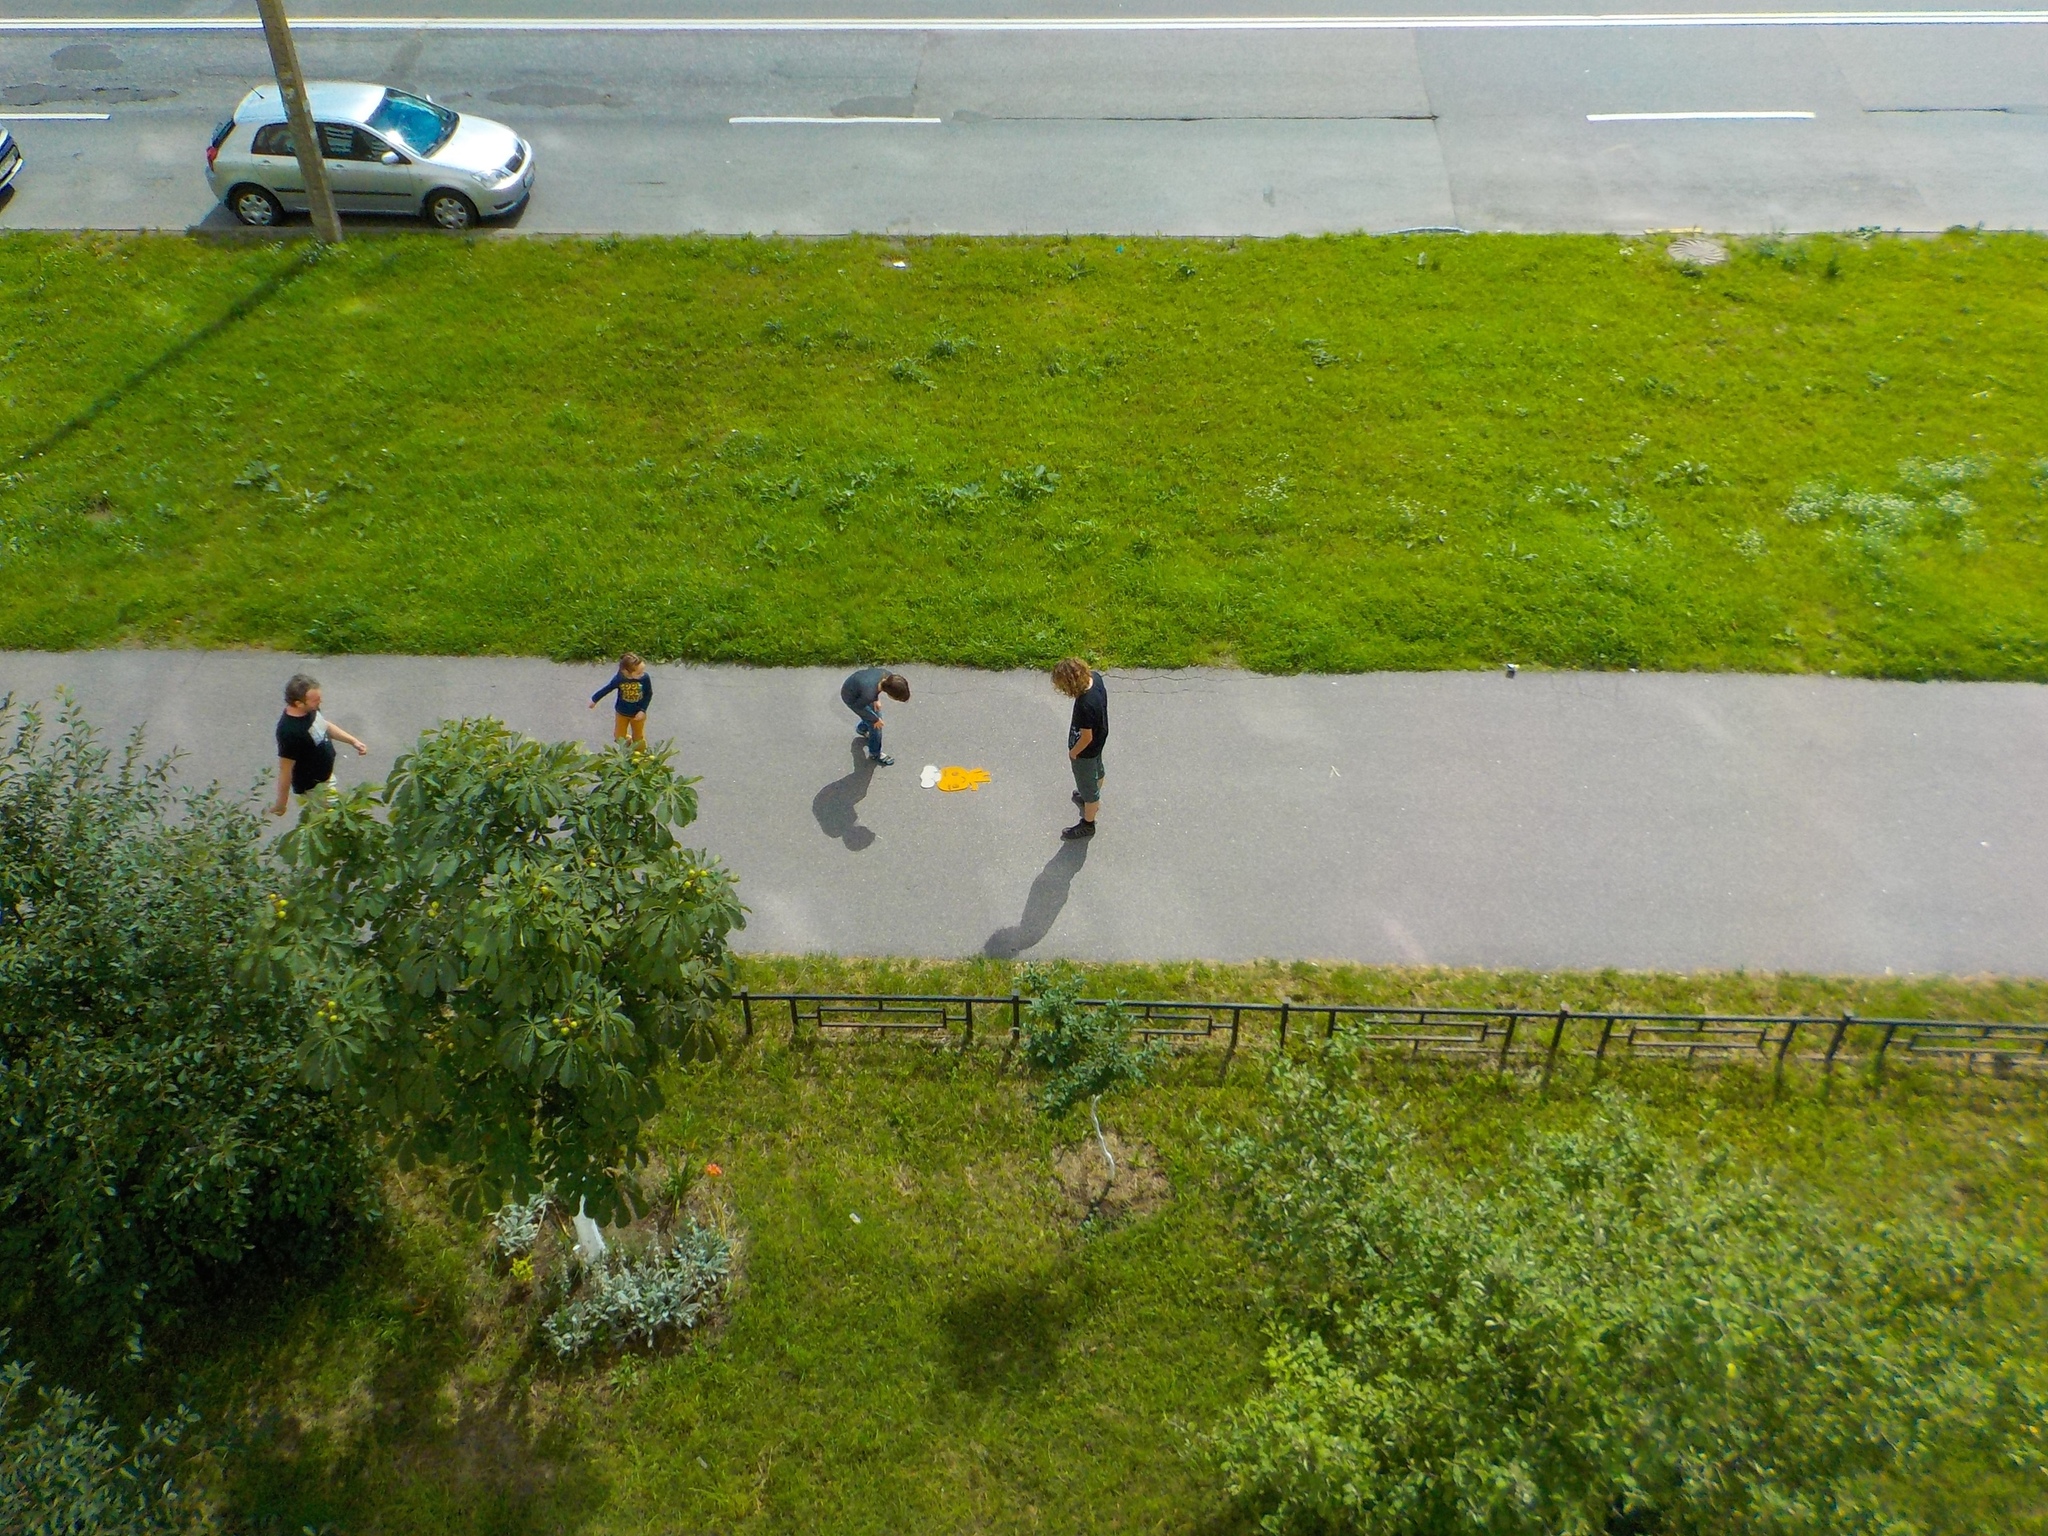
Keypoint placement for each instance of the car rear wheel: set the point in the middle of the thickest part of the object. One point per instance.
(253, 205)
(451, 210)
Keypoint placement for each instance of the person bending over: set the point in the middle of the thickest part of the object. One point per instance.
(860, 693)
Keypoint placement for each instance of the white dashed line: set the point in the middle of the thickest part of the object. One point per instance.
(54, 117)
(755, 122)
(1699, 117)
(1425, 23)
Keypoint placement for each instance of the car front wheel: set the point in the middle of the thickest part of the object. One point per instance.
(253, 205)
(451, 210)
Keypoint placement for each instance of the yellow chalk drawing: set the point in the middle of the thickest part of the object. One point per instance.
(952, 780)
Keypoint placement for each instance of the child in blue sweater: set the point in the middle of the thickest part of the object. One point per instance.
(635, 690)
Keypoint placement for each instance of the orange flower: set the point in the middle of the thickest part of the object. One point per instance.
(713, 1169)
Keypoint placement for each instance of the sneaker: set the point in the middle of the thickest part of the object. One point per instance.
(884, 761)
(1079, 829)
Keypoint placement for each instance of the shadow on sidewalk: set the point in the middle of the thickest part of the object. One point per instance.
(1043, 906)
(837, 805)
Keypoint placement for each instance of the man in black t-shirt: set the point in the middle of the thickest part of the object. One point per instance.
(1086, 735)
(305, 743)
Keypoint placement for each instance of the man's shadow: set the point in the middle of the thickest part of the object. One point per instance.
(837, 805)
(1042, 907)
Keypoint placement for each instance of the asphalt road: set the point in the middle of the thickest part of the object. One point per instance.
(1655, 820)
(1053, 124)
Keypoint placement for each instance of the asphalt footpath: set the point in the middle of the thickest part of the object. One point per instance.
(1673, 821)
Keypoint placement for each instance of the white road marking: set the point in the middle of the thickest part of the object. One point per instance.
(758, 121)
(1495, 23)
(54, 117)
(1698, 117)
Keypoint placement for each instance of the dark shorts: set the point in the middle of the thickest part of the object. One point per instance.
(1088, 779)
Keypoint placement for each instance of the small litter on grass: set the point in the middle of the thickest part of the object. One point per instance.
(589, 1238)
(951, 780)
(854, 1217)
(1697, 251)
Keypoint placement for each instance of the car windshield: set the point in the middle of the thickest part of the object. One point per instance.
(419, 125)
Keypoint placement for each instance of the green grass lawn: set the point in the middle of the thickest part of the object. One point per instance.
(969, 1356)
(1338, 454)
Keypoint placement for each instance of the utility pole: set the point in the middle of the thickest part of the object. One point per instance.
(291, 85)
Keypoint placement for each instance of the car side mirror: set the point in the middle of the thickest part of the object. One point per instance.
(392, 157)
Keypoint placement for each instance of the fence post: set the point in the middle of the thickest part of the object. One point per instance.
(1016, 1028)
(1556, 1035)
(1330, 1029)
(1231, 1053)
(1835, 1042)
(1877, 1067)
(967, 1041)
(1283, 1025)
(1606, 1033)
(747, 1013)
(1784, 1045)
(792, 1018)
(1507, 1043)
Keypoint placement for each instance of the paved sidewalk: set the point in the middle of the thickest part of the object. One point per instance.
(1665, 820)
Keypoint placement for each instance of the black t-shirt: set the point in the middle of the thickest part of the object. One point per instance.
(1091, 712)
(312, 761)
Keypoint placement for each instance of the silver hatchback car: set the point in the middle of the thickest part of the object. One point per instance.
(387, 151)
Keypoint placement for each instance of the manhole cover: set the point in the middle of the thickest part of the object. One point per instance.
(1697, 251)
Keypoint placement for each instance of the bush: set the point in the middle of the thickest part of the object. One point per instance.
(633, 1297)
(63, 1471)
(1601, 1335)
(157, 1125)
(495, 955)
(516, 1227)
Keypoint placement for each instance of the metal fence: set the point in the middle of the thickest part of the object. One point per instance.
(1521, 1038)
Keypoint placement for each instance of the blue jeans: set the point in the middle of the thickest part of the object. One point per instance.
(870, 727)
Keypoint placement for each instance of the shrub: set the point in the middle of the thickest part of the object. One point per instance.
(157, 1124)
(63, 1471)
(516, 1227)
(628, 1297)
(496, 953)
(1600, 1334)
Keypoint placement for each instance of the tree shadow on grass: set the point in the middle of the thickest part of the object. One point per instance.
(1042, 905)
(1006, 1337)
(374, 1398)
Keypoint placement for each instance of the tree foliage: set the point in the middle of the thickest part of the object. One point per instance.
(495, 954)
(156, 1123)
(1603, 1334)
(1084, 1052)
(65, 1472)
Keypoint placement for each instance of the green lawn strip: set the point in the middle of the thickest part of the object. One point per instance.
(967, 1356)
(1333, 454)
(1728, 992)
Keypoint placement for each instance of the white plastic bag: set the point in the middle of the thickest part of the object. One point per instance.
(589, 1240)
